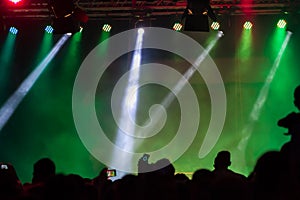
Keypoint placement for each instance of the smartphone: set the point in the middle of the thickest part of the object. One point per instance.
(111, 173)
(4, 166)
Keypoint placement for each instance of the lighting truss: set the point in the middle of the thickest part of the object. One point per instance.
(127, 9)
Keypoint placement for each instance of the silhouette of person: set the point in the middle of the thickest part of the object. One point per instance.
(292, 120)
(162, 167)
(291, 149)
(227, 184)
(10, 185)
(156, 180)
(200, 187)
(43, 169)
(270, 178)
(297, 97)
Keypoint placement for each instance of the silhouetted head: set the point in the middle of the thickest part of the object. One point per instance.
(164, 167)
(297, 97)
(202, 176)
(222, 160)
(10, 184)
(43, 169)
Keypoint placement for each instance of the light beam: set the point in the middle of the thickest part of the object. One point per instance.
(262, 97)
(129, 103)
(158, 114)
(15, 99)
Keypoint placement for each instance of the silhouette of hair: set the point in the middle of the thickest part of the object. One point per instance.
(202, 176)
(43, 169)
(222, 160)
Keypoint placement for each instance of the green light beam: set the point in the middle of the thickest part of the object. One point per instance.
(6, 57)
(245, 44)
(263, 94)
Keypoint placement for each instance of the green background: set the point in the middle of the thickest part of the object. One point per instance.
(43, 126)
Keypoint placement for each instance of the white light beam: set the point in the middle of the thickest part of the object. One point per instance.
(15, 99)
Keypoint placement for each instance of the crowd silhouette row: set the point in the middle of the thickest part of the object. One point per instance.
(275, 176)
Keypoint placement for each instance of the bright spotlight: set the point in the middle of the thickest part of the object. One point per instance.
(215, 26)
(220, 34)
(177, 26)
(106, 28)
(130, 102)
(49, 29)
(248, 25)
(281, 23)
(13, 30)
(15, 1)
(141, 31)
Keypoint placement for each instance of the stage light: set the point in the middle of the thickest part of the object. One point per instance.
(215, 26)
(177, 26)
(141, 31)
(15, 1)
(106, 28)
(67, 16)
(49, 29)
(248, 25)
(196, 16)
(13, 30)
(281, 23)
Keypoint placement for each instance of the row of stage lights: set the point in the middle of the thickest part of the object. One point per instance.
(177, 27)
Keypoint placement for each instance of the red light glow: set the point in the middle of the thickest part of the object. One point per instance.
(15, 1)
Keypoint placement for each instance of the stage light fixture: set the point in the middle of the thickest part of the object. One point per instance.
(215, 26)
(106, 28)
(67, 16)
(13, 30)
(177, 26)
(281, 23)
(49, 29)
(197, 14)
(248, 25)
